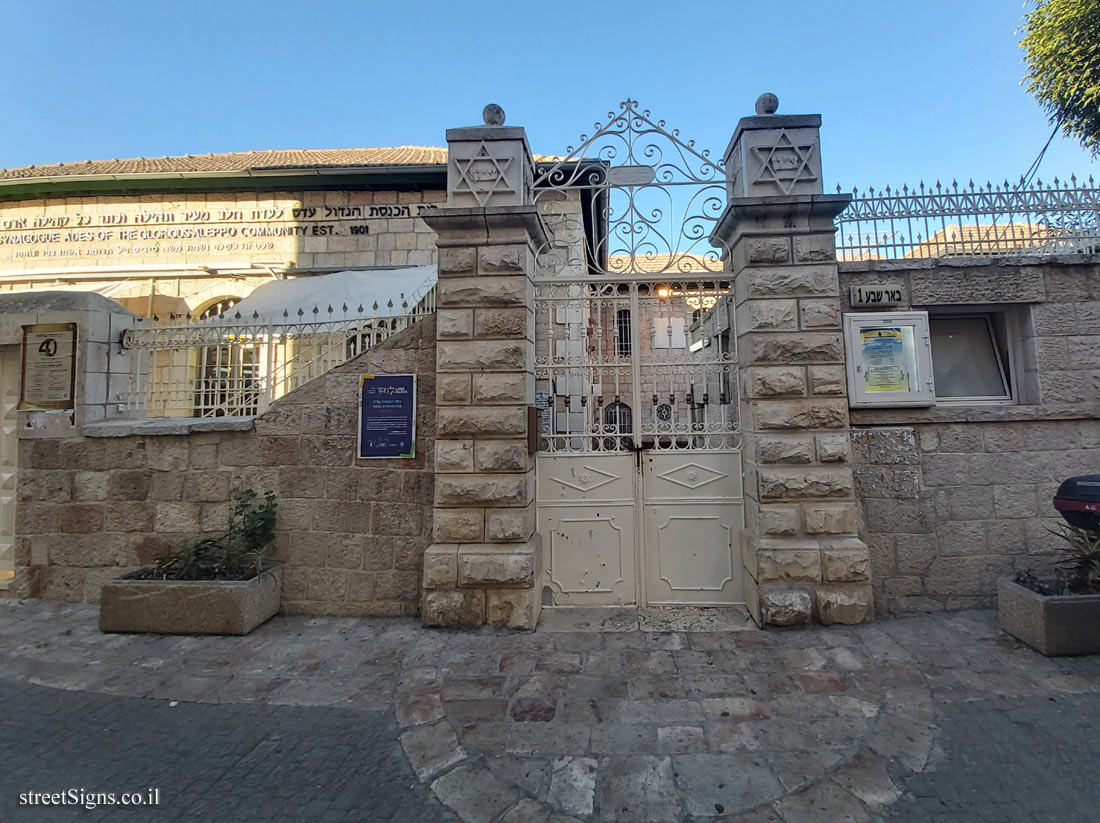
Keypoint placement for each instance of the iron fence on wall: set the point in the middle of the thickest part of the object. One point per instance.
(232, 366)
(971, 220)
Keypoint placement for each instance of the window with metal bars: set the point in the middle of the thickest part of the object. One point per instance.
(623, 332)
(227, 384)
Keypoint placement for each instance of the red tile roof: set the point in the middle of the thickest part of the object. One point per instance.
(273, 159)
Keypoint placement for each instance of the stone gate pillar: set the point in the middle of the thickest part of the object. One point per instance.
(802, 551)
(485, 556)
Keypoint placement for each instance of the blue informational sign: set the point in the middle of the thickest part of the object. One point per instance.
(387, 415)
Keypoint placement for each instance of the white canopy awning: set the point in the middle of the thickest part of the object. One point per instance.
(380, 292)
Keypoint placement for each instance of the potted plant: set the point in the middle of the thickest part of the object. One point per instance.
(217, 585)
(1060, 614)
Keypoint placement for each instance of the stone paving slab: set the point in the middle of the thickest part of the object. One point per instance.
(651, 619)
(597, 718)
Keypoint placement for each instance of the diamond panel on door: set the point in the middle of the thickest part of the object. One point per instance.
(586, 520)
(692, 523)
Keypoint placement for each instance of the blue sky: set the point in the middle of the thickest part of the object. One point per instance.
(907, 90)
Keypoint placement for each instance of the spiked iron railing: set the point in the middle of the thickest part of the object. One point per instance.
(233, 365)
(971, 220)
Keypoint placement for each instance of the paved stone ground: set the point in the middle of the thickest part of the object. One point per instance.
(233, 761)
(657, 718)
(1004, 761)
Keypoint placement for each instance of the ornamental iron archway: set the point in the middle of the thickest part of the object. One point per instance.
(634, 312)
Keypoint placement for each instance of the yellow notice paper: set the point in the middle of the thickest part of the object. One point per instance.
(884, 366)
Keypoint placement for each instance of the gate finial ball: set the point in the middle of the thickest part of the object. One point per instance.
(767, 103)
(493, 115)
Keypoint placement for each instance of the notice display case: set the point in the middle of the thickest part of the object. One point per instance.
(889, 359)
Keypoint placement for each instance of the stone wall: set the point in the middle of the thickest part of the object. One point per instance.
(958, 494)
(950, 507)
(350, 532)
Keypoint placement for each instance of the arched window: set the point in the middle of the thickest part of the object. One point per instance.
(618, 420)
(227, 381)
(623, 334)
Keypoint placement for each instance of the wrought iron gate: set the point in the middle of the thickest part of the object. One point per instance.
(639, 469)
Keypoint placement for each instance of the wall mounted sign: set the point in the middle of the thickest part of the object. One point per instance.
(863, 296)
(387, 415)
(49, 366)
(542, 402)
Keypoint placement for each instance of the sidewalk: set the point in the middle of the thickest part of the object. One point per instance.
(603, 720)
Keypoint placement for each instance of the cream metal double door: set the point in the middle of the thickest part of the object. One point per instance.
(646, 527)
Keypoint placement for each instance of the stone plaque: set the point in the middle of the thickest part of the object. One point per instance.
(49, 366)
(865, 296)
(630, 175)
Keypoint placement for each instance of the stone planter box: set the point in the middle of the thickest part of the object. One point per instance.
(1057, 625)
(189, 606)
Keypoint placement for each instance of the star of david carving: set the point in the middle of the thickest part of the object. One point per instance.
(784, 163)
(483, 175)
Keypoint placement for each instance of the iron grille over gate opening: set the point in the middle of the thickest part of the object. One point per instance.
(632, 300)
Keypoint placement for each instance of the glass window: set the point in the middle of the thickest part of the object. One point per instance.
(968, 360)
(622, 333)
(618, 420)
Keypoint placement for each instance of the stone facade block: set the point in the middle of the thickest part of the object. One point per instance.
(459, 525)
(504, 387)
(849, 605)
(801, 414)
(456, 323)
(502, 322)
(482, 291)
(454, 455)
(509, 565)
(826, 518)
(503, 259)
(821, 313)
(785, 606)
(832, 448)
(444, 608)
(814, 248)
(481, 489)
(828, 380)
(846, 566)
(775, 381)
(791, 281)
(453, 388)
(441, 566)
(802, 484)
(967, 287)
(513, 608)
(790, 449)
(798, 347)
(777, 566)
(779, 520)
(501, 456)
(457, 260)
(474, 421)
(481, 355)
(771, 315)
(509, 525)
(768, 249)
(1014, 502)
(885, 446)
